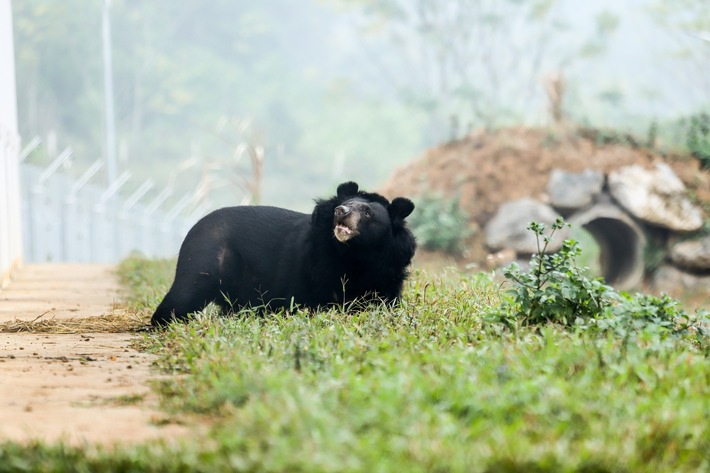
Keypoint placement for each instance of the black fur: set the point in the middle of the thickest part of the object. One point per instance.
(273, 258)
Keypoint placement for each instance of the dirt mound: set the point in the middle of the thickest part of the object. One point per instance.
(489, 168)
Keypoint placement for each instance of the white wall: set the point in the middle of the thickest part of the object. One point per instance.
(10, 223)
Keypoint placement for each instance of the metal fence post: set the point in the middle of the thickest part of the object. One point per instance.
(148, 230)
(128, 219)
(171, 237)
(77, 221)
(45, 215)
(104, 235)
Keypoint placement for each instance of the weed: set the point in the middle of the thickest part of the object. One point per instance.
(440, 224)
(655, 254)
(698, 138)
(127, 400)
(146, 281)
(603, 137)
(551, 139)
(555, 289)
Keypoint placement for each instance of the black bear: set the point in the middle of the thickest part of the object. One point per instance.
(355, 245)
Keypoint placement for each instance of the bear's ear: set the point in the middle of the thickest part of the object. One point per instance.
(400, 207)
(347, 189)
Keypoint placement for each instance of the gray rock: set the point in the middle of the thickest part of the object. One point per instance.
(574, 190)
(508, 227)
(655, 196)
(675, 281)
(692, 254)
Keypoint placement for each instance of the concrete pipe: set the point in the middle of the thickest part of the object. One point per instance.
(621, 244)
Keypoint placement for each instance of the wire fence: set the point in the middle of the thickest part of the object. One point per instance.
(68, 219)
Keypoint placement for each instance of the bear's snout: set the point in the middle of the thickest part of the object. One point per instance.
(346, 219)
(342, 211)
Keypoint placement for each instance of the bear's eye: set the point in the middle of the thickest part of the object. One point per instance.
(367, 213)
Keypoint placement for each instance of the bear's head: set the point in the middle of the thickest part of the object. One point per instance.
(363, 218)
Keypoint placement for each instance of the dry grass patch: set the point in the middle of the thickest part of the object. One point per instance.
(118, 320)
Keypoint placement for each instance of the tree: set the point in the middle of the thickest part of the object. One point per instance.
(689, 22)
(179, 67)
(58, 51)
(473, 63)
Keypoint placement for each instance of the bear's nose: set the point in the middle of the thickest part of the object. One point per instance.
(342, 210)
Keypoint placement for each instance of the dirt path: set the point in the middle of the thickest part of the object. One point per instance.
(80, 387)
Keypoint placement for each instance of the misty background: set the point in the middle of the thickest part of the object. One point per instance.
(322, 91)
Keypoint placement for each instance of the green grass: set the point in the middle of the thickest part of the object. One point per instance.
(435, 384)
(145, 281)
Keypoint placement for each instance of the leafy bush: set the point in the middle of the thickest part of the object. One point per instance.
(440, 224)
(555, 289)
(654, 254)
(698, 138)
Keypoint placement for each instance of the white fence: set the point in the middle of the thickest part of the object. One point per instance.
(68, 219)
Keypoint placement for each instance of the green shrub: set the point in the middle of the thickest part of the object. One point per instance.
(440, 224)
(555, 289)
(654, 254)
(698, 138)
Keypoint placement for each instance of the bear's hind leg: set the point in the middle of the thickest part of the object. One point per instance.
(184, 298)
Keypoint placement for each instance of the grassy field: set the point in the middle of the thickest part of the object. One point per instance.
(450, 380)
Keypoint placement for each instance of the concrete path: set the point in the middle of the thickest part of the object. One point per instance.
(60, 291)
(89, 387)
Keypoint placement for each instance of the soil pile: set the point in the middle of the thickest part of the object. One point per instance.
(487, 169)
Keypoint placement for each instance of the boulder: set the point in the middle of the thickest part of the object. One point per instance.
(656, 196)
(675, 282)
(574, 190)
(508, 227)
(693, 255)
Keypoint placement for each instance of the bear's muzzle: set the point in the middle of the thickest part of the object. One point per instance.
(346, 222)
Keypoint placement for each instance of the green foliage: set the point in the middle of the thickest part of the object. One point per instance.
(146, 281)
(661, 310)
(440, 224)
(551, 140)
(698, 138)
(654, 254)
(685, 15)
(430, 385)
(471, 52)
(652, 135)
(179, 68)
(609, 137)
(555, 289)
